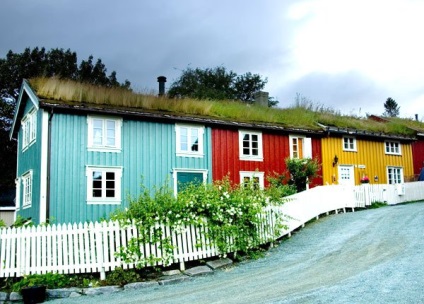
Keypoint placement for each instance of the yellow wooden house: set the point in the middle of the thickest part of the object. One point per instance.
(351, 157)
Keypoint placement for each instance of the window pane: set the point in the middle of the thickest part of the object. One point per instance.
(97, 193)
(110, 175)
(194, 140)
(97, 184)
(110, 184)
(184, 139)
(110, 193)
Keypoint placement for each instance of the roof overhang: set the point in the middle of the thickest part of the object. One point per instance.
(25, 91)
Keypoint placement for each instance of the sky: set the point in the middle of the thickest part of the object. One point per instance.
(344, 55)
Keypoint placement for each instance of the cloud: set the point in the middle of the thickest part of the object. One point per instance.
(348, 92)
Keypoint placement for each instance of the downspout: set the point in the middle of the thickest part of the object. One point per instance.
(49, 141)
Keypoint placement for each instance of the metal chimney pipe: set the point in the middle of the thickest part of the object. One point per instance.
(416, 117)
(161, 80)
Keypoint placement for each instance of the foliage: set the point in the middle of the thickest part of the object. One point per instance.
(391, 108)
(2, 223)
(218, 84)
(302, 171)
(376, 205)
(50, 280)
(228, 211)
(122, 277)
(21, 222)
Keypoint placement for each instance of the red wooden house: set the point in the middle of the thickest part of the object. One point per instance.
(257, 152)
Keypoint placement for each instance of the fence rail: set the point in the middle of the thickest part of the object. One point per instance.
(93, 247)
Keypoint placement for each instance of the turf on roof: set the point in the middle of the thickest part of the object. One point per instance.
(74, 93)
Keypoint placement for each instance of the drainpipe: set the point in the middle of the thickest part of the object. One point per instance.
(49, 144)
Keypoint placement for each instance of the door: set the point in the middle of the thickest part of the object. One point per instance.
(346, 175)
(184, 178)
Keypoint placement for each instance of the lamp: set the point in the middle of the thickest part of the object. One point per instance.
(335, 160)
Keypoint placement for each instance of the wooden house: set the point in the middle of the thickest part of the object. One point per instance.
(351, 156)
(80, 162)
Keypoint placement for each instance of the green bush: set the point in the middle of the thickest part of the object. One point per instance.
(229, 212)
(50, 280)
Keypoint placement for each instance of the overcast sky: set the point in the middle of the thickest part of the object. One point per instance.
(349, 55)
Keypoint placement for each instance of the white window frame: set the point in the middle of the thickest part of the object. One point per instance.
(104, 147)
(349, 143)
(392, 147)
(250, 156)
(116, 200)
(190, 130)
(29, 129)
(252, 174)
(27, 187)
(394, 175)
(306, 144)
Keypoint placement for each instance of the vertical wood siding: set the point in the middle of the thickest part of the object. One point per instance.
(418, 155)
(148, 156)
(226, 160)
(370, 154)
(30, 159)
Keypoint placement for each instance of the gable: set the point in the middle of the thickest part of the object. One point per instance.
(27, 99)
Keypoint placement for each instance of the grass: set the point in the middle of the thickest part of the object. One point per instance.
(300, 116)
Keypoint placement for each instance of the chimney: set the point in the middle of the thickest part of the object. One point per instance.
(416, 117)
(261, 98)
(161, 80)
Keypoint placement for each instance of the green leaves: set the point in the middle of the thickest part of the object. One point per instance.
(232, 214)
(217, 84)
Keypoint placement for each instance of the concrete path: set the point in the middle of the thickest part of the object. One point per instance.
(371, 256)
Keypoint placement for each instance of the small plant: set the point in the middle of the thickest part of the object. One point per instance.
(376, 205)
(50, 280)
(121, 277)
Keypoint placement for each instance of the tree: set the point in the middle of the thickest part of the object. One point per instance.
(34, 63)
(391, 108)
(218, 84)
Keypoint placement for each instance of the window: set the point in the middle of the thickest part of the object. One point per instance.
(29, 129)
(393, 147)
(349, 143)
(255, 178)
(104, 134)
(395, 175)
(189, 140)
(250, 145)
(300, 147)
(27, 189)
(104, 185)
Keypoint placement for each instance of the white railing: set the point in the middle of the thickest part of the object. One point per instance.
(93, 247)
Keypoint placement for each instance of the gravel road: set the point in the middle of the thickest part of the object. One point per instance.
(370, 256)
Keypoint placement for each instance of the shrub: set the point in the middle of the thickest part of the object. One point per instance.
(230, 212)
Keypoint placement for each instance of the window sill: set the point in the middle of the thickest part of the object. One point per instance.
(183, 154)
(258, 159)
(103, 202)
(99, 149)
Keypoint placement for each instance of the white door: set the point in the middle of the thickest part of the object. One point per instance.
(346, 175)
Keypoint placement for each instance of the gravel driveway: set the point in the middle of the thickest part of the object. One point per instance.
(371, 256)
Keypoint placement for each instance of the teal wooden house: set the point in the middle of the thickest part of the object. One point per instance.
(78, 162)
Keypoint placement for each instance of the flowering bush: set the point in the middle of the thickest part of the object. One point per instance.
(230, 212)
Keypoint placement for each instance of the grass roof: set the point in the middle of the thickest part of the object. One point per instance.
(301, 117)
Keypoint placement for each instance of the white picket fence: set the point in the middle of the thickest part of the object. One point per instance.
(89, 248)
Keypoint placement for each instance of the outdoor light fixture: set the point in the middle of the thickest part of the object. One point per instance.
(335, 160)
